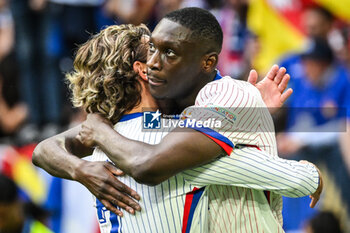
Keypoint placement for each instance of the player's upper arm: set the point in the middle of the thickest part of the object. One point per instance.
(233, 111)
(249, 167)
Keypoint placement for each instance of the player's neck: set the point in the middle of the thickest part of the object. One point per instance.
(148, 103)
(190, 99)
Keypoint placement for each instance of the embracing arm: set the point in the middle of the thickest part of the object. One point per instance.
(150, 164)
(186, 148)
(60, 155)
(249, 167)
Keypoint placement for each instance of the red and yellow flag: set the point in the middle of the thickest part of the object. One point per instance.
(16, 163)
(277, 23)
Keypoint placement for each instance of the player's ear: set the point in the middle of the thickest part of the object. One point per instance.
(141, 69)
(210, 62)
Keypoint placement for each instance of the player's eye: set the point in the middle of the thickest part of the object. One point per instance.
(170, 53)
(151, 48)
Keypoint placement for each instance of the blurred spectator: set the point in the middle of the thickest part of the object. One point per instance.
(318, 22)
(47, 32)
(343, 52)
(317, 113)
(12, 111)
(165, 6)
(39, 82)
(16, 215)
(148, 12)
(237, 53)
(71, 22)
(321, 90)
(12, 114)
(132, 11)
(7, 35)
(324, 222)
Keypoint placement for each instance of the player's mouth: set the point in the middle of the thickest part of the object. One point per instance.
(155, 81)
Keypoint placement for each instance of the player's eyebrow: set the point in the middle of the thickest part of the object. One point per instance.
(176, 44)
(171, 44)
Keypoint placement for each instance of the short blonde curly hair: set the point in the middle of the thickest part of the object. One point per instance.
(103, 80)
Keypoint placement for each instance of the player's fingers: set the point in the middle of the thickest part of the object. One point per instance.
(112, 208)
(272, 72)
(280, 75)
(118, 191)
(283, 83)
(78, 137)
(314, 201)
(118, 172)
(124, 188)
(128, 201)
(83, 126)
(118, 199)
(116, 202)
(286, 95)
(82, 137)
(115, 171)
(112, 198)
(253, 77)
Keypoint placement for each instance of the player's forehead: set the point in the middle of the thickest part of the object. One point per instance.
(171, 32)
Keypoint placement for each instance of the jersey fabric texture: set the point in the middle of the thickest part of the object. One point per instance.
(163, 206)
(245, 122)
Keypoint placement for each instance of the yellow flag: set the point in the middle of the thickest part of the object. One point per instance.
(276, 35)
(27, 178)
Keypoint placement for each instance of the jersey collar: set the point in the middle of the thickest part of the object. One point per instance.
(218, 75)
(130, 116)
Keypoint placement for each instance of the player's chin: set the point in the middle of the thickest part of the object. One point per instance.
(158, 92)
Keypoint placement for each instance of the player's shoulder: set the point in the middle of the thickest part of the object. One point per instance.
(232, 83)
(129, 123)
(227, 87)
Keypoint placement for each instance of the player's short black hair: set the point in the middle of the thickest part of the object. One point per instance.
(202, 23)
(9, 192)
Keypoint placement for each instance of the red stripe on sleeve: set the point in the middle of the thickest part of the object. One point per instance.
(250, 146)
(228, 149)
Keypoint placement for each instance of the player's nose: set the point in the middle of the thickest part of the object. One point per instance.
(153, 61)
